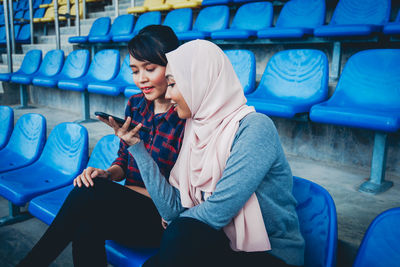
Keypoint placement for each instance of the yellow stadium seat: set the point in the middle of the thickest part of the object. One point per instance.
(60, 3)
(145, 7)
(184, 3)
(48, 15)
(63, 10)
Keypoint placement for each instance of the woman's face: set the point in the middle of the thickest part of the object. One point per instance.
(149, 77)
(176, 97)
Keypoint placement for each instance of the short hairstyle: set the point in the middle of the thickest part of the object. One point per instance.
(152, 43)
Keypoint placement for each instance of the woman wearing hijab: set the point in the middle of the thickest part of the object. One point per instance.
(229, 201)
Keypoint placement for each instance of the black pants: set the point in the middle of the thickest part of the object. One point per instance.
(89, 216)
(189, 242)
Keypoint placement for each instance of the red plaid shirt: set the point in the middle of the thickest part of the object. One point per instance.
(163, 141)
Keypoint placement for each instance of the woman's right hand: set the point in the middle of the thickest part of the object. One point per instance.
(129, 136)
(87, 176)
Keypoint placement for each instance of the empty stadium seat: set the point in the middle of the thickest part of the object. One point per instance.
(64, 156)
(76, 66)
(7, 125)
(46, 206)
(180, 20)
(215, 2)
(380, 245)
(249, 19)
(356, 18)
(99, 30)
(115, 86)
(292, 82)
(30, 65)
(209, 19)
(122, 28)
(393, 27)
(147, 19)
(24, 34)
(175, 4)
(51, 63)
(297, 19)
(145, 7)
(103, 68)
(26, 143)
(367, 96)
(244, 64)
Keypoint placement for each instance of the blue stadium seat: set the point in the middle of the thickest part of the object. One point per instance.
(209, 19)
(63, 158)
(75, 66)
(6, 125)
(380, 245)
(30, 65)
(356, 18)
(148, 18)
(249, 19)
(99, 29)
(39, 13)
(37, 3)
(131, 90)
(367, 96)
(18, 16)
(244, 64)
(318, 223)
(180, 20)
(51, 63)
(393, 27)
(46, 206)
(118, 84)
(122, 28)
(2, 34)
(215, 2)
(292, 82)
(297, 18)
(25, 144)
(24, 34)
(103, 68)
(244, 1)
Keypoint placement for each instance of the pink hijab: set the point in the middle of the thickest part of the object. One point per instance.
(209, 85)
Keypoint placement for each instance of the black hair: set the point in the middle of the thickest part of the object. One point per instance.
(152, 43)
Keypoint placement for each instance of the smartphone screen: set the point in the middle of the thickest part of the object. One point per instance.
(119, 120)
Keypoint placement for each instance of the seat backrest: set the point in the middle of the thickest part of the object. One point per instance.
(49, 12)
(29, 136)
(253, 16)
(105, 65)
(76, 64)
(6, 125)
(244, 64)
(380, 245)
(299, 75)
(100, 27)
(37, 3)
(123, 25)
(318, 223)
(398, 17)
(212, 18)
(105, 152)
(302, 13)
(180, 20)
(146, 19)
(52, 62)
(125, 71)
(39, 13)
(370, 80)
(24, 33)
(151, 3)
(66, 149)
(2, 33)
(361, 12)
(31, 61)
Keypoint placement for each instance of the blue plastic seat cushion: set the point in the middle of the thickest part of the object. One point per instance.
(131, 90)
(78, 39)
(233, 34)
(122, 37)
(392, 28)
(99, 39)
(119, 255)
(5, 77)
(356, 117)
(283, 32)
(274, 107)
(192, 35)
(112, 88)
(346, 30)
(22, 78)
(73, 84)
(45, 81)
(215, 2)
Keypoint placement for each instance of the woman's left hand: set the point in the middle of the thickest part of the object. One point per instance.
(129, 136)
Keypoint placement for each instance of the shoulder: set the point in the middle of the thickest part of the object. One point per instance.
(257, 123)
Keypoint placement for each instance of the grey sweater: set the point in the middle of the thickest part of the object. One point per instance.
(256, 164)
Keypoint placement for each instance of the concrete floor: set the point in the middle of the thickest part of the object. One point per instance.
(355, 210)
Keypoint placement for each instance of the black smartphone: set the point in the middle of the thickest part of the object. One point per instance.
(119, 120)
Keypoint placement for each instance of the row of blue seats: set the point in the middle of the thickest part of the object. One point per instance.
(46, 180)
(23, 16)
(22, 34)
(57, 160)
(297, 19)
(24, 4)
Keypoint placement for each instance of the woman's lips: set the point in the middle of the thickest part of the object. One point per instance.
(147, 90)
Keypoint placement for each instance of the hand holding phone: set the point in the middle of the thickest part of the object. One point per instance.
(119, 120)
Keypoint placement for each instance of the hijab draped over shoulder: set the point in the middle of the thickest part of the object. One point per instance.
(210, 87)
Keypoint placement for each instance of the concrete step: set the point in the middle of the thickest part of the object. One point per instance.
(16, 59)
(50, 39)
(85, 28)
(110, 14)
(121, 7)
(68, 48)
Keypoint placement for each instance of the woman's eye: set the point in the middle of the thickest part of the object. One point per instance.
(171, 85)
(150, 70)
(135, 72)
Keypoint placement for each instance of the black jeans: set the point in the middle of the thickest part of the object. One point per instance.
(89, 216)
(189, 242)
